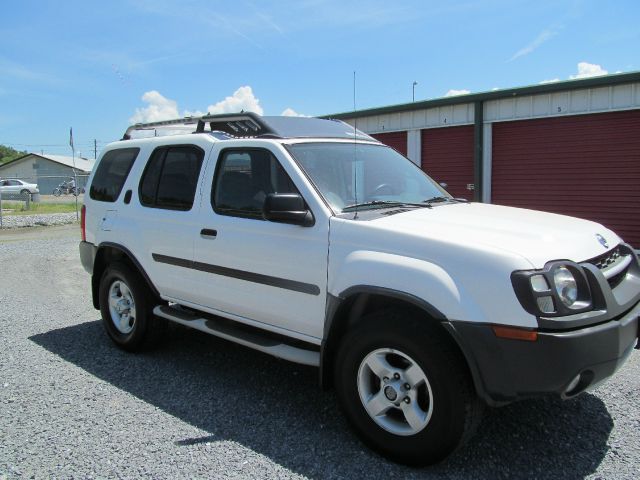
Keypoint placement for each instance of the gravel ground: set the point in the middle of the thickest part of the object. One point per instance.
(73, 406)
(45, 219)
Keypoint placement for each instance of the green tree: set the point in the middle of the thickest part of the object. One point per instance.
(7, 154)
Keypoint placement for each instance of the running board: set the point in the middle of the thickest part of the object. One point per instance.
(234, 332)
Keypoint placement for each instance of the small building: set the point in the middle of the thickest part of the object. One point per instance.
(48, 171)
(569, 147)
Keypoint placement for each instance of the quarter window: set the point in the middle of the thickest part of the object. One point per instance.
(111, 174)
(244, 179)
(170, 178)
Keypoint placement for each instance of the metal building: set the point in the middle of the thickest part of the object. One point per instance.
(48, 171)
(569, 147)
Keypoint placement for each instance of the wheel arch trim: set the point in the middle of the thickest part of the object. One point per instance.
(333, 310)
(95, 279)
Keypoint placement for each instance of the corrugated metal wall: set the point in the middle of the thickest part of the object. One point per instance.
(586, 166)
(397, 140)
(447, 156)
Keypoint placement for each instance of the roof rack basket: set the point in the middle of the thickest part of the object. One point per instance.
(239, 125)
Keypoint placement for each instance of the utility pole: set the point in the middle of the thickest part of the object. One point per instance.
(95, 149)
(414, 91)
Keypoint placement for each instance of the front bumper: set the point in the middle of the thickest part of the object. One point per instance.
(505, 370)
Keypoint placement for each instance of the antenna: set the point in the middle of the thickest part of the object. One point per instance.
(355, 146)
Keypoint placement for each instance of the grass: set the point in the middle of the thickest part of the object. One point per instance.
(19, 208)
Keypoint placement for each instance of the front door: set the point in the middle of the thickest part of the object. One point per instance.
(263, 273)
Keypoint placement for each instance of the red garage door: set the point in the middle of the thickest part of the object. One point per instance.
(587, 166)
(397, 140)
(447, 156)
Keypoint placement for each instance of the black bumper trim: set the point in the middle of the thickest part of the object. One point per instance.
(505, 370)
(88, 256)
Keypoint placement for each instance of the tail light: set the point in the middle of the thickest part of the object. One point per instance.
(83, 222)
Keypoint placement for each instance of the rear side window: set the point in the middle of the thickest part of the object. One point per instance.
(111, 174)
(170, 178)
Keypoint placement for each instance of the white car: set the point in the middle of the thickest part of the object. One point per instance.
(15, 186)
(311, 241)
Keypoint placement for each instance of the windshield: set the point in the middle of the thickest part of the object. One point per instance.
(369, 176)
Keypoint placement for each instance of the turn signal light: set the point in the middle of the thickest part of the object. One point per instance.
(515, 333)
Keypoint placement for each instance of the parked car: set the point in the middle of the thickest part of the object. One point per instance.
(311, 241)
(15, 186)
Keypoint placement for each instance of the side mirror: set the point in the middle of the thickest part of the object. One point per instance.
(287, 208)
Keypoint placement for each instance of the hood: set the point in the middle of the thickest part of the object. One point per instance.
(537, 236)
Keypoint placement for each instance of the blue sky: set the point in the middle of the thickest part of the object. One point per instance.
(98, 65)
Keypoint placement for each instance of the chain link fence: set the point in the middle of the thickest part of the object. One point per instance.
(25, 194)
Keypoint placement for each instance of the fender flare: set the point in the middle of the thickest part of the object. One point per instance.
(95, 279)
(327, 348)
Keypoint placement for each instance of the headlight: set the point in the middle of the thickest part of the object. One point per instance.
(566, 286)
(559, 289)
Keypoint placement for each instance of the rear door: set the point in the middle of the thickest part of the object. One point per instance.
(160, 218)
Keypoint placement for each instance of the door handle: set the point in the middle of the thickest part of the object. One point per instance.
(208, 232)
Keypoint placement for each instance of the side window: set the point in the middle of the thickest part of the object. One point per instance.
(170, 178)
(111, 174)
(243, 180)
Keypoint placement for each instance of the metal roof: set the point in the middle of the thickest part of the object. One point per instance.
(601, 81)
(81, 163)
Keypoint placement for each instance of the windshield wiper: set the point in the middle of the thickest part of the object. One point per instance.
(445, 199)
(383, 203)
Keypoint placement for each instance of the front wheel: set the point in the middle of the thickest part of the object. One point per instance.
(57, 192)
(405, 388)
(126, 306)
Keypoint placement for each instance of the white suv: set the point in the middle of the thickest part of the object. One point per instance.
(309, 240)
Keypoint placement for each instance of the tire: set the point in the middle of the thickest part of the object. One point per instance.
(24, 193)
(442, 403)
(126, 306)
(57, 192)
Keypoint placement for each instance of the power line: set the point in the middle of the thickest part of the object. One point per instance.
(90, 143)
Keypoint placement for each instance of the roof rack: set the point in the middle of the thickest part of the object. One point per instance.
(252, 125)
(243, 124)
(237, 125)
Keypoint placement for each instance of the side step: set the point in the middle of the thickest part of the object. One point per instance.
(251, 337)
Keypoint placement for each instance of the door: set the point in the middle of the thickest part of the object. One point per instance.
(160, 217)
(396, 140)
(447, 157)
(581, 165)
(264, 273)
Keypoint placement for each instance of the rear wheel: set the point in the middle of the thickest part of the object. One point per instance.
(405, 388)
(126, 305)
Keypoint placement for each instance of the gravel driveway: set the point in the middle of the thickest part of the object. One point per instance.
(72, 405)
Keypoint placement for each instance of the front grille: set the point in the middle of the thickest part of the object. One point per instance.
(606, 260)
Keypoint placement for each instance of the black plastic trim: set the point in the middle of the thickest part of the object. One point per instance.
(277, 282)
(88, 256)
(528, 297)
(397, 294)
(135, 261)
(514, 369)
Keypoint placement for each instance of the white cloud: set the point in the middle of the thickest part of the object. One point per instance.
(545, 35)
(158, 108)
(242, 99)
(453, 92)
(290, 112)
(551, 80)
(586, 70)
